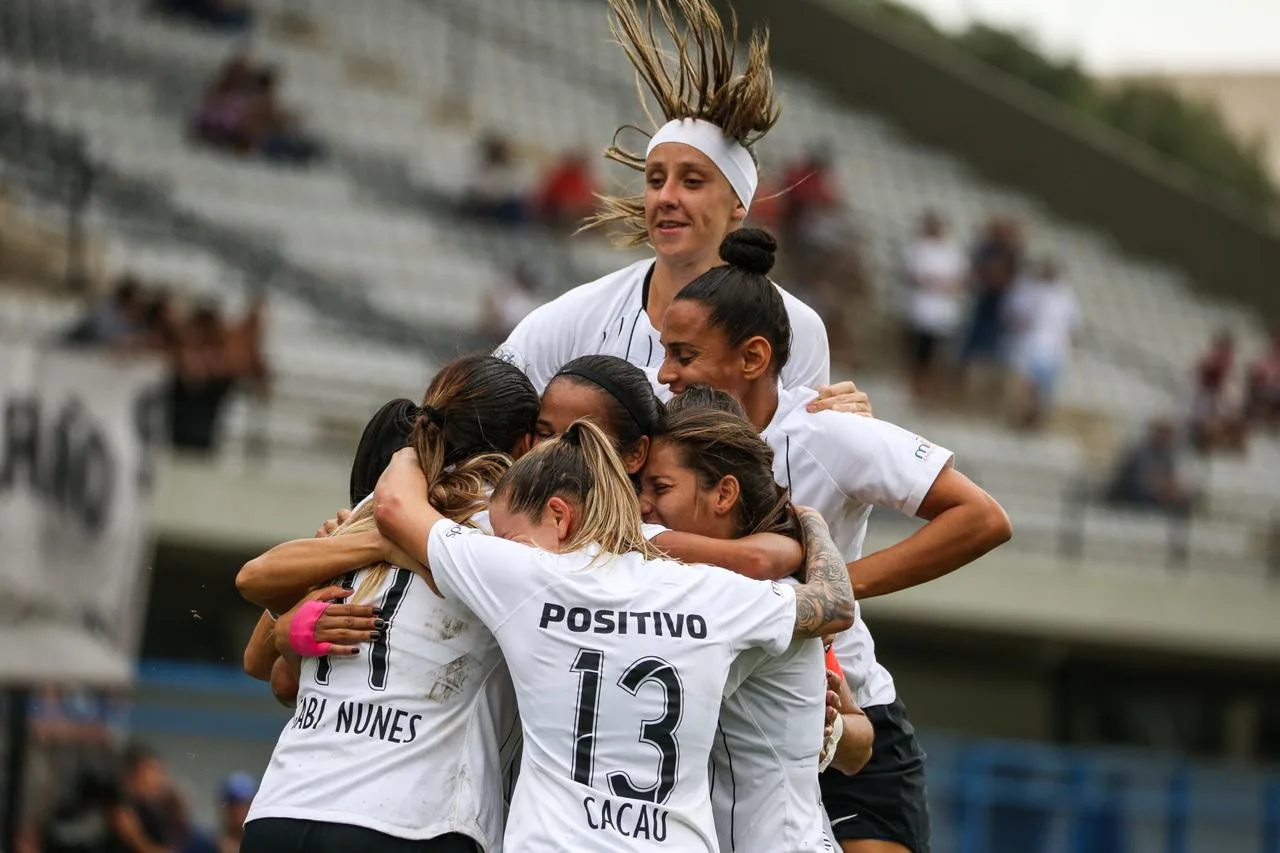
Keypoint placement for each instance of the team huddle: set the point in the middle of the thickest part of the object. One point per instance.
(582, 596)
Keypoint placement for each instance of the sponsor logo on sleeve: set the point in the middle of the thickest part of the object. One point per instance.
(924, 449)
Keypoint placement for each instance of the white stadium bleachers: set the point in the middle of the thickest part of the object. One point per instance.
(387, 85)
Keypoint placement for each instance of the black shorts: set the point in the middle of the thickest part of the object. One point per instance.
(885, 800)
(287, 835)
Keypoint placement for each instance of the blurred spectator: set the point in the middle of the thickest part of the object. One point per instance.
(507, 305)
(1043, 318)
(1147, 475)
(812, 189)
(231, 15)
(241, 112)
(88, 817)
(211, 358)
(995, 265)
(1215, 422)
(493, 192)
(568, 192)
(1262, 385)
(70, 780)
(115, 319)
(223, 119)
(936, 269)
(824, 261)
(237, 793)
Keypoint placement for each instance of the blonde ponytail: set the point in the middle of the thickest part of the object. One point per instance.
(582, 467)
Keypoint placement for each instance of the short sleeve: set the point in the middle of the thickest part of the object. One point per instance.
(758, 614)
(810, 362)
(540, 344)
(878, 463)
(491, 576)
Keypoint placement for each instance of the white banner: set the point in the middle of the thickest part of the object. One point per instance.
(79, 436)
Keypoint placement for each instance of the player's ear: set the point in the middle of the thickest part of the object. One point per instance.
(727, 493)
(757, 353)
(560, 514)
(634, 459)
(523, 446)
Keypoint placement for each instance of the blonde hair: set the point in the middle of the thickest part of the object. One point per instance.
(581, 467)
(476, 410)
(458, 494)
(701, 85)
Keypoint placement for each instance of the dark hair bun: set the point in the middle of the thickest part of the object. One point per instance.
(750, 249)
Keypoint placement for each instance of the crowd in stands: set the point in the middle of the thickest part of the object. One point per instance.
(988, 310)
(208, 355)
(1227, 404)
(241, 113)
(89, 791)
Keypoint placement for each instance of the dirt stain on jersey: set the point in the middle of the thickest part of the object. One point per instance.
(447, 681)
(453, 626)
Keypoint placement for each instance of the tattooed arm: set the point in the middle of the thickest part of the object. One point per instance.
(824, 602)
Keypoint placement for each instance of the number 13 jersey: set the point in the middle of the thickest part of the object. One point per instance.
(408, 737)
(619, 669)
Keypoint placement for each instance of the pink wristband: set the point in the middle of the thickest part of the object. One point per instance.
(302, 631)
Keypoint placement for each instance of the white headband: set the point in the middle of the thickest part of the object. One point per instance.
(730, 157)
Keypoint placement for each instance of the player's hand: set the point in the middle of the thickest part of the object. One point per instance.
(345, 626)
(333, 524)
(842, 397)
(833, 711)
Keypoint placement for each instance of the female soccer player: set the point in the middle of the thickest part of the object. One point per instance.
(347, 624)
(400, 747)
(618, 658)
(700, 177)
(729, 328)
(710, 473)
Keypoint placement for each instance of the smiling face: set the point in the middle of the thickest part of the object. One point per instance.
(671, 495)
(697, 351)
(688, 205)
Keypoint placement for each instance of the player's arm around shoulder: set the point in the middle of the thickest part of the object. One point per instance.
(824, 602)
(760, 556)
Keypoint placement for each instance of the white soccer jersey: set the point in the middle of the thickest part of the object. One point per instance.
(410, 736)
(607, 317)
(764, 765)
(842, 465)
(619, 668)
(764, 762)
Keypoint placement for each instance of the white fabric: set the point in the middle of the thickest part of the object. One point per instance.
(415, 755)
(574, 635)
(842, 465)
(764, 764)
(937, 270)
(607, 316)
(1044, 316)
(731, 158)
